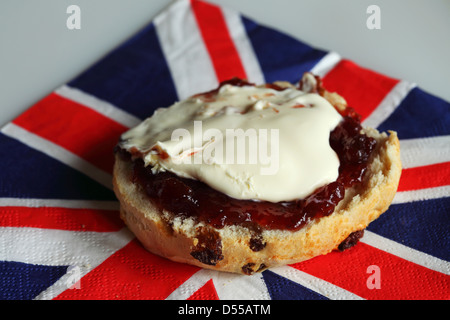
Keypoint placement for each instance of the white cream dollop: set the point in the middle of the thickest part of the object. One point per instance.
(247, 142)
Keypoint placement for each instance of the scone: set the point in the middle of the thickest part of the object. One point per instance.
(246, 177)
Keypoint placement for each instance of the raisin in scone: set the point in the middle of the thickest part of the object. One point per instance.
(248, 177)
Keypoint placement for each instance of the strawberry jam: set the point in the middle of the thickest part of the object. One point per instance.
(191, 198)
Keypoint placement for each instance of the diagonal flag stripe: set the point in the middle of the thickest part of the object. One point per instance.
(74, 127)
(405, 252)
(191, 285)
(103, 107)
(125, 269)
(398, 278)
(326, 64)
(57, 152)
(363, 89)
(229, 286)
(206, 292)
(315, 284)
(215, 34)
(83, 251)
(419, 115)
(31, 279)
(283, 288)
(388, 105)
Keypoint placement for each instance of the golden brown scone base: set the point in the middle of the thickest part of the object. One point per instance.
(177, 238)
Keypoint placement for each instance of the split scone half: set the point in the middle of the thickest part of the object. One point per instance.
(246, 177)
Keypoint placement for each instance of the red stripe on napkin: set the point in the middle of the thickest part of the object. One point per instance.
(363, 89)
(74, 127)
(216, 36)
(435, 175)
(131, 273)
(206, 292)
(399, 278)
(61, 218)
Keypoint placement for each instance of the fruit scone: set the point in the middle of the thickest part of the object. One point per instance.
(247, 177)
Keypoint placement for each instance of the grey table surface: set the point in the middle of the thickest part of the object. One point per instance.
(38, 53)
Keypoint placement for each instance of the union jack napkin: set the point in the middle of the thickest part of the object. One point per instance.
(60, 232)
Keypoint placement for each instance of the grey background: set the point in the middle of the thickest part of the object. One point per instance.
(38, 53)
